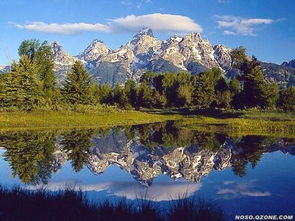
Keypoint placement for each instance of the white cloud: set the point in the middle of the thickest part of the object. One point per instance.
(234, 25)
(67, 28)
(131, 23)
(157, 22)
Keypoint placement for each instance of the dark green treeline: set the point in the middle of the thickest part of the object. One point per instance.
(31, 84)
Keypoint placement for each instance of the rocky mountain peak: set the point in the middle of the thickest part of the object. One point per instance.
(57, 49)
(290, 64)
(95, 50)
(144, 52)
(195, 36)
(145, 31)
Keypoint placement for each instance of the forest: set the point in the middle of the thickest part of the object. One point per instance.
(31, 84)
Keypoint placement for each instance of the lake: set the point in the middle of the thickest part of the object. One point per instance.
(159, 162)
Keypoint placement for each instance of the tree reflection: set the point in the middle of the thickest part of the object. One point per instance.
(77, 144)
(32, 154)
(168, 134)
(29, 154)
(252, 148)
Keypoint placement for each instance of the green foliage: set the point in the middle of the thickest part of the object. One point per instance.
(30, 155)
(204, 92)
(235, 86)
(105, 94)
(77, 144)
(40, 55)
(287, 99)
(31, 84)
(120, 97)
(21, 87)
(160, 100)
(257, 92)
(238, 56)
(144, 96)
(130, 90)
(77, 86)
(223, 99)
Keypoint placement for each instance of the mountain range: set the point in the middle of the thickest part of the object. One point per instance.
(189, 53)
(190, 162)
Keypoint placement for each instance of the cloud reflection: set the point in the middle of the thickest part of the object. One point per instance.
(157, 192)
(237, 190)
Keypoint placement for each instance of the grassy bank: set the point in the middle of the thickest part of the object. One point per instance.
(239, 123)
(18, 204)
(234, 123)
(70, 119)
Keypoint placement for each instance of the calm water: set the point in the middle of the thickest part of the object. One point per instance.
(160, 162)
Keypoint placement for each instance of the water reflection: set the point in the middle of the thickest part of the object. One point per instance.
(144, 151)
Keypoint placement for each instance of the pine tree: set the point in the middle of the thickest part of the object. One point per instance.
(257, 92)
(238, 56)
(204, 91)
(21, 87)
(76, 88)
(40, 54)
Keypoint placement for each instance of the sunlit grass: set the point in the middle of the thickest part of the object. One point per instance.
(234, 123)
(69, 119)
(242, 126)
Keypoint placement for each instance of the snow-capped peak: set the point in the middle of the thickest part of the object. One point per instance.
(95, 50)
(145, 52)
(145, 31)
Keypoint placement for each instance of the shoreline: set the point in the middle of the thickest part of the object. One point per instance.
(244, 122)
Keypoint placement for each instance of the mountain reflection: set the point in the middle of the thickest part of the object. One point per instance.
(144, 151)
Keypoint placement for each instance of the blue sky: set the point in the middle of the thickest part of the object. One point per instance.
(265, 27)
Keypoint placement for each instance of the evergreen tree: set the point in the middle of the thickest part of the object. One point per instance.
(77, 86)
(21, 87)
(144, 96)
(120, 97)
(256, 91)
(105, 94)
(235, 86)
(130, 90)
(40, 54)
(287, 99)
(238, 56)
(204, 91)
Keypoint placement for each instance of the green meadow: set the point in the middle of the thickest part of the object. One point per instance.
(71, 119)
(250, 122)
